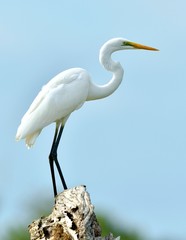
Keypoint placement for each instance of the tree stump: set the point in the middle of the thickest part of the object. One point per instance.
(72, 218)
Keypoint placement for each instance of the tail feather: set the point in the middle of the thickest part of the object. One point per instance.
(30, 139)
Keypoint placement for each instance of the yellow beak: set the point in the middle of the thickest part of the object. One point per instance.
(140, 46)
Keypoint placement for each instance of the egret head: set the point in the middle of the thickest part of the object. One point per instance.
(116, 44)
(126, 44)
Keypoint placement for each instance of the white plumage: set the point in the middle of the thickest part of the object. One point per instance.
(62, 95)
(67, 92)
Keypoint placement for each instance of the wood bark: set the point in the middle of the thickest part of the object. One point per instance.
(72, 218)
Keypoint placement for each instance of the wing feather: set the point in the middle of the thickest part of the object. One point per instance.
(57, 99)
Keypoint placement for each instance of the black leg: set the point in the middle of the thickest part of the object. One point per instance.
(51, 161)
(53, 158)
(56, 160)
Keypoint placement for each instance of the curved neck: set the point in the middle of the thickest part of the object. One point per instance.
(102, 91)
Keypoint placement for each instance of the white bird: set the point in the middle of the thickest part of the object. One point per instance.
(67, 92)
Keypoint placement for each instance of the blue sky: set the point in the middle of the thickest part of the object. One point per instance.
(129, 148)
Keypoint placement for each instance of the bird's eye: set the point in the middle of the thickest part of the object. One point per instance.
(125, 43)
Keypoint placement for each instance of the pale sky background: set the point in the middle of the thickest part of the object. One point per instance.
(129, 148)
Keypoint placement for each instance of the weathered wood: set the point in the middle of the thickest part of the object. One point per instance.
(72, 218)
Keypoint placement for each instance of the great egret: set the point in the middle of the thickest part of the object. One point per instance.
(67, 92)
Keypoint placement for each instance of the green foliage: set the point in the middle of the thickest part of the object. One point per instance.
(109, 227)
(43, 208)
(19, 233)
